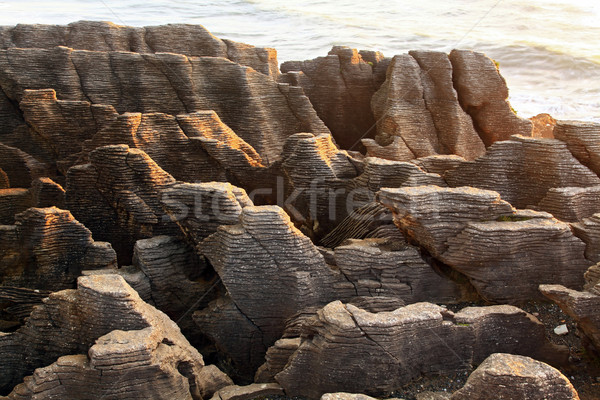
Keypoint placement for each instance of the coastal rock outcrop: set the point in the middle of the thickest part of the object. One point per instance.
(102, 332)
(418, 112)
(117, 197)
(583, 140)
(523, 170)
(405, 344)
(483, 93)
(510, 376)
(588, 230)
(47, 249)
(339, 86)
(480, 235)
(190, 40)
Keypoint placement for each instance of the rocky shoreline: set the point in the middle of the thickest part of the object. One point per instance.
(184, 219)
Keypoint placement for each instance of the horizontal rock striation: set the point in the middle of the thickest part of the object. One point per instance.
(588, 230)
(191, 40)
(523, 170)
(47, 248)
(341, 344)
(478, 234)
(571, 204)
(116, 334)
(583, 140)
(511, 376)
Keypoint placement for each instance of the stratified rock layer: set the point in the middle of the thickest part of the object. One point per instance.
(47, 249)
(340, 346)
(480, 235)
(514, 377)
(523, 170)
(122, 337)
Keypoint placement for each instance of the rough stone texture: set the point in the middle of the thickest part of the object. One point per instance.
(191, 40)
(179, 280)
(317, 173)
(439, 164)
(571, 204)
(47, 193)
(342, 343)
(340, 87)
(583, 140)
(588, 230)
(515, 377)
(122, 337)
(482, 92)
(481, 236)
(382, 267)
(12, 202)
(252, 104)
(543, 126)
(523, 169)
(249, 392)
(4, 181)
(271, 271)
(48, 249)
(418, 104)
(19, 167)
(345, 396)
(200, 208)
(117, 196)
(17, 303)
(583, 307)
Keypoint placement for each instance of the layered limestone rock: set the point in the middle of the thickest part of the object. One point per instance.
(523, 169)
(510, 376)
(117, 196)
(316, 175)
(20, 168)
(191, 40)
(179, 280)
(103, 332)
(249, 392)
(583, 307)
(261, 111)
(383, 267)
(583, 140)
(588, 230)
(48, 248)
(4, 181)
(13, 202)
(571, 204)
(439, 164)
(199, 209)
(339, 346)
(480, 235)
(271, 272)
(340, 87)
(418, 113)
(483, 93)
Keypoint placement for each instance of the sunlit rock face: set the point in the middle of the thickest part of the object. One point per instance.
(293, 229)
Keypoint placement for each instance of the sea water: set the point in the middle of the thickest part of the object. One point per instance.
(548, 50)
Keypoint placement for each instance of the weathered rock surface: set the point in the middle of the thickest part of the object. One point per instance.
(12, 202)
(248, 392)
(418, 104)
(252, 104)
(588, 230)
(523, 169)
(543, 126)
(345, 396)
(47, 249)
(113, 335)
(583, 140)
(117, 196)
(19, 167)
(191, 40)
(480, 235)
(199, 209)
(482, 92)
(514, 377)
(583, 307)
(439, 164)
(383, 267)
(340, 346)
(571, 204)
(340, 87)
(4, 181)
(271, 271)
